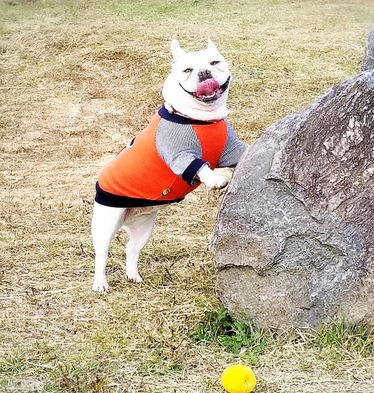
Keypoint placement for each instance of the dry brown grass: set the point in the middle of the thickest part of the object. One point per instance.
(77, 79)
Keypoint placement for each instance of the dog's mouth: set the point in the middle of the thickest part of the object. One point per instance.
(208, 90)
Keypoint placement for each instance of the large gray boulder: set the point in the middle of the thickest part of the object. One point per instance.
(294, 237)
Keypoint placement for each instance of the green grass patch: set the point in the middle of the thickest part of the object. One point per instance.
(340, 339)
(331, 342)
(234, 336)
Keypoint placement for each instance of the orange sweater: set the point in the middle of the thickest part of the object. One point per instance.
(138, 175)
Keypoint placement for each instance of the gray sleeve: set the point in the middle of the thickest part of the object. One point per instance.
(233, 150)
(178, 145)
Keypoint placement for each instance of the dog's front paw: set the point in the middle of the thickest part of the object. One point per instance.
(134, 277)
(100, 285)
(216, 181)
(212, 179)
(219, 182)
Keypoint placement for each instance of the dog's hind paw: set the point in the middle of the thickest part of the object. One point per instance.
(134, 278)
(100, 286)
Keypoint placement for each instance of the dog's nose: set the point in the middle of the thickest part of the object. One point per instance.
(204, 74)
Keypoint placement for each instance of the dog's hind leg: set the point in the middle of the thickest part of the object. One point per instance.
(139, 223)
(106, 221)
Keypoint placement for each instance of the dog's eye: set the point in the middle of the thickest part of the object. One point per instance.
(215, 62)
(188, 70)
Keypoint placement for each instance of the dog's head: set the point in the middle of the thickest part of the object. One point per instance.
(198, 84)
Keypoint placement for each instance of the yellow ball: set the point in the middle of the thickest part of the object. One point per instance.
(238, 378)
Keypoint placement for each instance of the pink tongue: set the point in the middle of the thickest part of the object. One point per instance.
(207, 87)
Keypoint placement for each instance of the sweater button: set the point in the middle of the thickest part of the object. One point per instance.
(166, 191)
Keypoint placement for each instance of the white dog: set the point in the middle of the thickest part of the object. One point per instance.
(187, 138)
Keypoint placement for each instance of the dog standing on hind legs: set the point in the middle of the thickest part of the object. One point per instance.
(186, 139)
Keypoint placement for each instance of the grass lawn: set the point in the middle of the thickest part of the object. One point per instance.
(77, 80)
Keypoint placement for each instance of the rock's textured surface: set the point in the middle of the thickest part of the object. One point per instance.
(294, 238)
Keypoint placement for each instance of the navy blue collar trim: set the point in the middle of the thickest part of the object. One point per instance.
(175, 118)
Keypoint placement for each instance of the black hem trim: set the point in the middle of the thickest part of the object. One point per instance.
(112, 200)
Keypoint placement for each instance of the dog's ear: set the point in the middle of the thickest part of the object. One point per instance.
(211, 45)
(176, 50)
